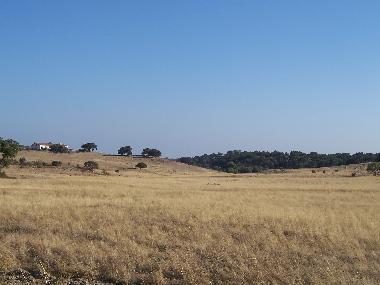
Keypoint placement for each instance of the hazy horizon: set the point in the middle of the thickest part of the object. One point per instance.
(192, 77)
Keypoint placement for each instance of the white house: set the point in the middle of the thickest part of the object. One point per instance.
(44, 146)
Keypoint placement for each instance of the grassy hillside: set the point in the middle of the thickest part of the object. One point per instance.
(177, 224)
(110, 163)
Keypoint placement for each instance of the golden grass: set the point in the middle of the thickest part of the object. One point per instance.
(175, 224)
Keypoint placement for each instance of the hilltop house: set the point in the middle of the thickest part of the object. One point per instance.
(44, 146)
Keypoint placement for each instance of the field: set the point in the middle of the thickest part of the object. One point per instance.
(177, 224)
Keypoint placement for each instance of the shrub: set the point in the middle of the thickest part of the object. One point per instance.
(56, 163)
(39, 164)
(91, 165)
(22, 161)
(374, 168)
(141, 165)
(313, 171)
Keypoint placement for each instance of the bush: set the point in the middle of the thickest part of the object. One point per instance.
(374, 168)
(39, 164)
(22, 161)
(56, 163)
(141, 165)
(91, 165)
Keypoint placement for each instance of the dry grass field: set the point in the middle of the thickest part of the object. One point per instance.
(177, 224)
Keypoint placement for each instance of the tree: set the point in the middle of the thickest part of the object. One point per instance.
(8, 150)
(374, 168)
(141, 165)
(151, 152)
(91, 165)
(125, 150)
(87, 147)
(59, 148)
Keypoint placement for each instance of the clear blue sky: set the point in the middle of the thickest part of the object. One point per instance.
(192, 77)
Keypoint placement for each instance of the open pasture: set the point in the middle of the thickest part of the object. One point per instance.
(177, 224)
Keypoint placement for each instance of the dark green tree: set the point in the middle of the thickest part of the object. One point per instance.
(151, 152)
(59, 148)
(8, 151)
(125, 150)
(87, 147)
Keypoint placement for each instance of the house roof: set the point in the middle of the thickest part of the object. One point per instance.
(49, 143)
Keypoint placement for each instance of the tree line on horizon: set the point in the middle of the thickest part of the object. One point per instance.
(237, 161)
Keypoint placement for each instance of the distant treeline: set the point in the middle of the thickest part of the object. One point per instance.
(237, 161)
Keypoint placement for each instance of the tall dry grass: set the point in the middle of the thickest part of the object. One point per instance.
(171, 227)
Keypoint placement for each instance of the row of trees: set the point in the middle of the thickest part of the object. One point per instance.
(60, 148)
(247, 162)
(89, 147)
(147, 152)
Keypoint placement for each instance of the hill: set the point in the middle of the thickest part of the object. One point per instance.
(110, 163)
